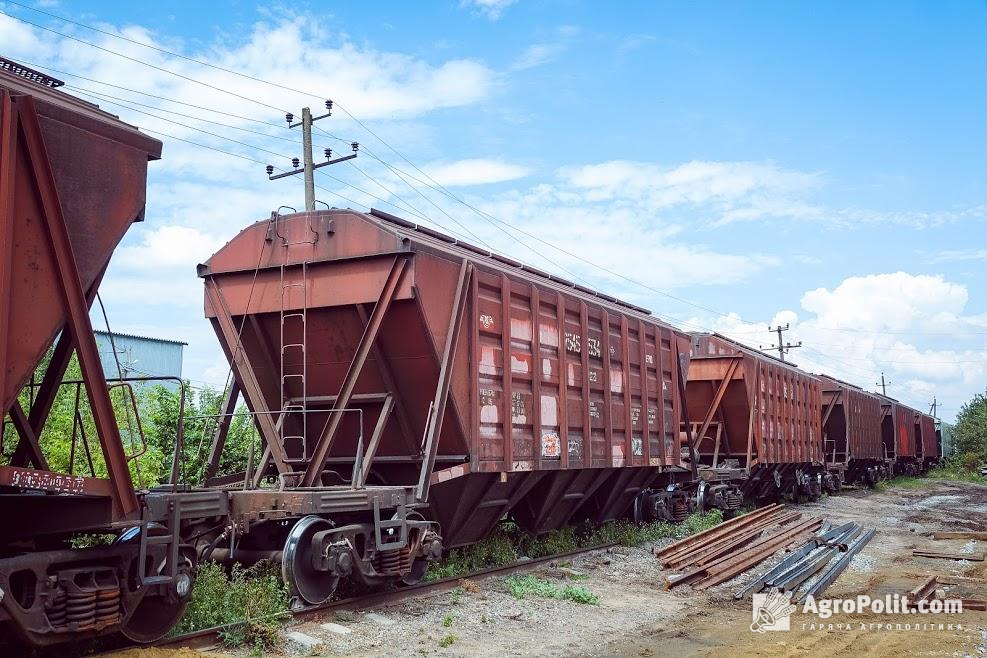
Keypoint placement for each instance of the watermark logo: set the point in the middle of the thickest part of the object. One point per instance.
(772, 612)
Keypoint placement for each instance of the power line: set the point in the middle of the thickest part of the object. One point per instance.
(437, 186)
(348, 113)
(46, 67)
(434, 184)
(143, 63)
(110, 99)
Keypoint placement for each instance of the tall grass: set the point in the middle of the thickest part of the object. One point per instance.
(509, 543)
(251, 601)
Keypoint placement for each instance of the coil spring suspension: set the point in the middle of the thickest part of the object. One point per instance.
(679, 509)
(733, 499)
(56, 614)
(108, 607)
(80, 609)
(85, 600)
(393, 563)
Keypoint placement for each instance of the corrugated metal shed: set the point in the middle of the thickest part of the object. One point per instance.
(140, 356)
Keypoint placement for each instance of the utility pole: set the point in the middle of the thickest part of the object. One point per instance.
(932, 409)
(782, 347)
(308, 162)
(884, 385)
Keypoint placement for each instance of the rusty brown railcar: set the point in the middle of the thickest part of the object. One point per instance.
(852, 432)
(926, 440)
(521, 393)
(755, 414)
(899, 434)
(72, 182)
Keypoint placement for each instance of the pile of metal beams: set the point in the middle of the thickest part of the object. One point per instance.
(724, 551)
(815, 565)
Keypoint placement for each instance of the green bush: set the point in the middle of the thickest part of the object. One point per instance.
(250, 602)
(521, 586)
(509, 543)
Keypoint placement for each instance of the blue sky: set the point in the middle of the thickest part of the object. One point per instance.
(820, 164)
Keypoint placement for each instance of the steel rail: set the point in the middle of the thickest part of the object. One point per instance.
(210, 636)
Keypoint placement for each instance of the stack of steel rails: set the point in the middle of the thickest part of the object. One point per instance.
(721, 553)
(814, 566)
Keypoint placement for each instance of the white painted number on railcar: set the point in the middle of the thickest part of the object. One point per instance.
(572, 343)
(635, 415)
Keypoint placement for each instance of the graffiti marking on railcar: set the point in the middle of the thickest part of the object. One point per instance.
(551, 446)
(594, 347)
(573, 343)
(486, 320)
(575, 447)
(594, 377)
(637, 446)
(649, 359)
(652, 417)
(522, 466)
(594, 409)
(636, 415)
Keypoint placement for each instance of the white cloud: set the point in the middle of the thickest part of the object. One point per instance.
(475, 171)
(492, 9)
(537, 54)
(912, 328)
(732, 187)
(294, 51)
(956, 255)
(169, 246)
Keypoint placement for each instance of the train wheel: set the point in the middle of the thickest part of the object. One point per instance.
(420, 566)
(303, 581)
(418, 570)
(155, 616)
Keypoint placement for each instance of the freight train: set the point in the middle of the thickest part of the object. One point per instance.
(410, 390)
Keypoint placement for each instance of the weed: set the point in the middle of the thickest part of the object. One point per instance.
(250, 602)
(528, 585)
(447, 621)
(509, 543)
(447, 641)
(456, 594)
(956, 473)
(902, 482)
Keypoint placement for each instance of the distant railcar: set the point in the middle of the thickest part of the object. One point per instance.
(756, 414)
(852, 432)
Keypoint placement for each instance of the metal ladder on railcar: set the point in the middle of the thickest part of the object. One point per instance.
(294, 406)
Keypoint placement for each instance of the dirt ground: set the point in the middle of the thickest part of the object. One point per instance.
(636, 616)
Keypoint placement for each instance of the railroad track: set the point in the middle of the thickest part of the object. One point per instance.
(208, 637)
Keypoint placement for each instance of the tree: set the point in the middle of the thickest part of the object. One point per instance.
(970, 431)
(70, 444)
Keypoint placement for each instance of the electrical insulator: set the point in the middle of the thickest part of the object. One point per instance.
(289, 117)
(356, 146)
(328, 153)
(294, 161)
(270, 170)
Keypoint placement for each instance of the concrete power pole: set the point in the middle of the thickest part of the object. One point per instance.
(308, 162)
(782, 347)
(884, 385)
